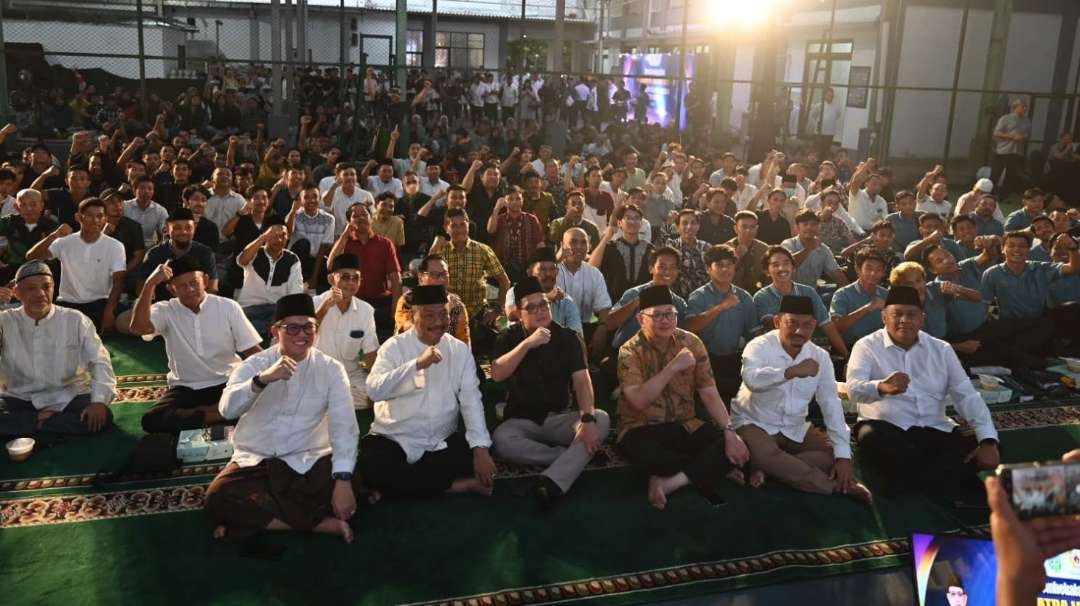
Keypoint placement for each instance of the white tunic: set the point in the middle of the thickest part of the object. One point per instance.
(50, 361)
(935, 372)
(298, 421)
(778, 405)
(419, 409)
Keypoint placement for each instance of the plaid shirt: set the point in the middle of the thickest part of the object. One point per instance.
(470, 265)
(640, 359)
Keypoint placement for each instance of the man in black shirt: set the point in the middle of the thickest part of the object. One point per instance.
(206, 232)
(541, 361)
(125, 229)
(62, 202)
(22, 231)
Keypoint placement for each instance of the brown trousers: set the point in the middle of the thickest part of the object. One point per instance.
(804, 466)
(246, 499)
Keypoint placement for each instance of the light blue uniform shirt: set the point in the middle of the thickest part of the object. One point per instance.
(1020, 296)
(906, 230)
(724, 335)
(961, 316)
(1064, 291)
(1019, 219)
(631, 326)
(767, 302)
(564, 312)
(851, 297)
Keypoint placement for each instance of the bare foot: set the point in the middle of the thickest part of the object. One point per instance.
(42, 417)
(335, 526)
(657, 494)
(737, 476)
(219, 532)
(861, 494)
(470, 485)
(374, 497)
(757, 478)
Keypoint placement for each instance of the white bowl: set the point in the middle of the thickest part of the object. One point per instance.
(19, 449)
(989, 383)
(1072, 364)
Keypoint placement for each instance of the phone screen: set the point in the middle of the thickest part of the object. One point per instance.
(1042, 489)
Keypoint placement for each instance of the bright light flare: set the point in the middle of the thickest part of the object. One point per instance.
(741, 13)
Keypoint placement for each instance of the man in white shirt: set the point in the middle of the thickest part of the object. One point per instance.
(865, 204)
(422, 381)
(224, 203)
(311, 233)
(432, 183)
(347, 325)
(270, 273)
(56, 374)
(782, 371)
(585, 286)
(202, 333)
(899, 376)
(92, 265)
(936, 202)
(383, 180)
(150, 215)
(294, 449)
(343, 194)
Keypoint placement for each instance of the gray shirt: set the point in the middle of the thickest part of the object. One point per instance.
(818, 263)
(1012, 124)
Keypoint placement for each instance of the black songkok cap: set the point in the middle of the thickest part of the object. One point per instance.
(543, 254)
(181, 214)
(345, 261)
(299, 304)
(185, 264)
(527, 286)
(654, 296)
(903, 295)
(434, 294)
(793, 304)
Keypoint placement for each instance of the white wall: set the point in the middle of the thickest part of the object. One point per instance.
(63, 36)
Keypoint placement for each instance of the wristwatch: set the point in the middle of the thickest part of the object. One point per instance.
(344, 476)
(988, 442)
(257, 382)
(588, 418)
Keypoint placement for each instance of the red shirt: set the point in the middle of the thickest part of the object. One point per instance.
(517, 238)
(378, 259)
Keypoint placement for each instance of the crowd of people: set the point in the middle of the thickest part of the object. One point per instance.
(633, 269)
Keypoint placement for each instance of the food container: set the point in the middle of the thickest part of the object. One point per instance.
(20, 449)
(1073, 364)
(989, 382)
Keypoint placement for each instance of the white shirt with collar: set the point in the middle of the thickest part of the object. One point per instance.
(866, 210)
(201, 347)
(377, 186)
(419, 409)
(942, 209)
(152, 219)
(586, 287)
(341, 202)
(935, 372)
(48, 362)
(220, 209)
(299, 420)
(347, 336)
(779, 405)
(429, 189)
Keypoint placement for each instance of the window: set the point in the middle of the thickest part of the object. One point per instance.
(414, 48)
(459, 50)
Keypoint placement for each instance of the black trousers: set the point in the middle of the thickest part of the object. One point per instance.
(1013, 165)
(384, 467)
(19, 418)
(666, 449)
(920, 459)
(178, 409)
(93, 310)
(1016, 343)
(727, 370)
(384, 316)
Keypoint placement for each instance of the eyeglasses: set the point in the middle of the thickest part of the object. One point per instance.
(536, 308)
(349, 277)
(663, 316)
(437, 275)
(295, 329)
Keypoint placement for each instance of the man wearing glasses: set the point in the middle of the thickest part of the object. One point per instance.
(661, 369)
(433, 271)
(541, 361)
(423, 380)
(347, 325)
(293, 401)
(899, 376)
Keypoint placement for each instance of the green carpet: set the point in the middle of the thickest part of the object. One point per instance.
(146, 540)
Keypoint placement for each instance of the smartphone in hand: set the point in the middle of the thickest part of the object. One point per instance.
(1044, 489)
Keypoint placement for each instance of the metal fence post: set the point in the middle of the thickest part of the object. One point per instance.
(5, 105)
(143, 101)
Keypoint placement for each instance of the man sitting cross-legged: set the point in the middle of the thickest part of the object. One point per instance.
(203, 333)
(541, 361)
(422, 381)
(660, 370)
(347, 325)
(899, 376)
(48, 351)
(782, 372)
(296, 437)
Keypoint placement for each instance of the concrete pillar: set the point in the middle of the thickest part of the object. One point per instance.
(1055, 108)
(275, 54)
(724, 70)
(504, 51)
(992, 80)
(253, 33)
(555, 49)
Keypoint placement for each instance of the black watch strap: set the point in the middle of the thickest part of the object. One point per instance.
(344, 476)
(588, 418)
(988, 442)
(257, 382)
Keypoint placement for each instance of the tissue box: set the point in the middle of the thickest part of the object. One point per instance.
(208, 444)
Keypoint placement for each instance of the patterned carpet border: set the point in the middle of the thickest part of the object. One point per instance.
(147, 378)
(85, 480)
(688, 574)
(102, 506)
